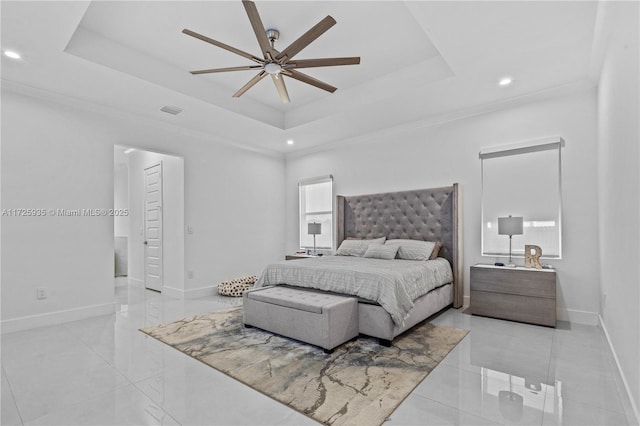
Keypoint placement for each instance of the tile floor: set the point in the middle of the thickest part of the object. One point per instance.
(103, 371)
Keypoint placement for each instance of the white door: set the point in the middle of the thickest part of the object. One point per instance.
(153, 276)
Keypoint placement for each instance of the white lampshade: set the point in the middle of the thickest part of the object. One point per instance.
(510, 225)
(314, 228)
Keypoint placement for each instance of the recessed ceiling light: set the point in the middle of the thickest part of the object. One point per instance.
(170, 109)
(290, 142)
(505, 81)
(11, 54)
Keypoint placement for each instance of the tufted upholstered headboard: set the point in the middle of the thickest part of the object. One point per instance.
(424, 214)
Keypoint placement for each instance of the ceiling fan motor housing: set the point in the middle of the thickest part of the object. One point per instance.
(273, 35)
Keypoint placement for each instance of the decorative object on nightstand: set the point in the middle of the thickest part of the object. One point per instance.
(314, 229)
(510, 226)
(532, 260)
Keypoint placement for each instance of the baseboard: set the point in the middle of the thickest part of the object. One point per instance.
(201, 292)
(136, 282)
(634, 407)
(52, 318)
(578, 317)
(173, 292)
(466, 301)
(190, 294)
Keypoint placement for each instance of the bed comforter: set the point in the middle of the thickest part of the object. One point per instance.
(393, 284)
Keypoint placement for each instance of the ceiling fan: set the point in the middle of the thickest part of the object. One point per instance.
(275, 63)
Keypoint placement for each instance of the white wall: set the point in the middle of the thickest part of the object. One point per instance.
(52, 159)
(619, 192)
(424, 157)
(172, 216)
(66, 161)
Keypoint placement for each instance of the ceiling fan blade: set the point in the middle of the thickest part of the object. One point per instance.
(324, 62)
(305, 39)
(223, 46)
(278, 79)
(214, 70)
(258, 27)
(250, 84)
(310, 80)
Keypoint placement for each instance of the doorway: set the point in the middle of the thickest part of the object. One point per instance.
(155, 220)
(121, 219)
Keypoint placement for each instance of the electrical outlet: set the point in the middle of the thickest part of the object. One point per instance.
(41, 293)
(190, 275)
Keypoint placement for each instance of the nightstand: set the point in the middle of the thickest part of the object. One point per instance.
(298, 256)
(518, 294)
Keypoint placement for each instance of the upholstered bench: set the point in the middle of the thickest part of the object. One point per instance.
(321, 319)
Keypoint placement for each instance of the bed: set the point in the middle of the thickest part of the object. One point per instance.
(423, 215)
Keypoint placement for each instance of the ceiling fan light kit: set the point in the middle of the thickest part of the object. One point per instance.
(275, 63)
(273, 68)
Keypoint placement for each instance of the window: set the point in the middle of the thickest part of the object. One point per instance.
(316, 205)
(523, 180)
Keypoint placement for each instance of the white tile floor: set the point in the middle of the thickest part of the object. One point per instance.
(103, 371)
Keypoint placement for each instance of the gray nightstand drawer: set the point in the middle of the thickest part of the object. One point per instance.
(533, 310)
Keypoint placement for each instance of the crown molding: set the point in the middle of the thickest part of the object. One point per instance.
(99, 109)
(450, 117)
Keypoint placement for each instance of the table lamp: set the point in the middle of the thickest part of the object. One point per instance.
(510, 226)
(314, 229)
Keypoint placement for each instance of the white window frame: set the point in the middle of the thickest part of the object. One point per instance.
(303, 214)
(522, 148)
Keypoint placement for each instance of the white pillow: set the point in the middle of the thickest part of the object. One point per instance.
(357, 247)
(381, 251)
(412, 249)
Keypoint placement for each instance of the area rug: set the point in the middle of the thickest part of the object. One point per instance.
(361, 382)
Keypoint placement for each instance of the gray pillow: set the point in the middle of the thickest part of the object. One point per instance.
(412, 249)
(357, 247)
(381, 251)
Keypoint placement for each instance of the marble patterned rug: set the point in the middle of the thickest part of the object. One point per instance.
(360, 383)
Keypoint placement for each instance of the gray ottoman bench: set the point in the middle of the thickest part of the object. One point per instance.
(321, 319)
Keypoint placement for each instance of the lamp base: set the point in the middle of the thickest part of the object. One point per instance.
(510, 265)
